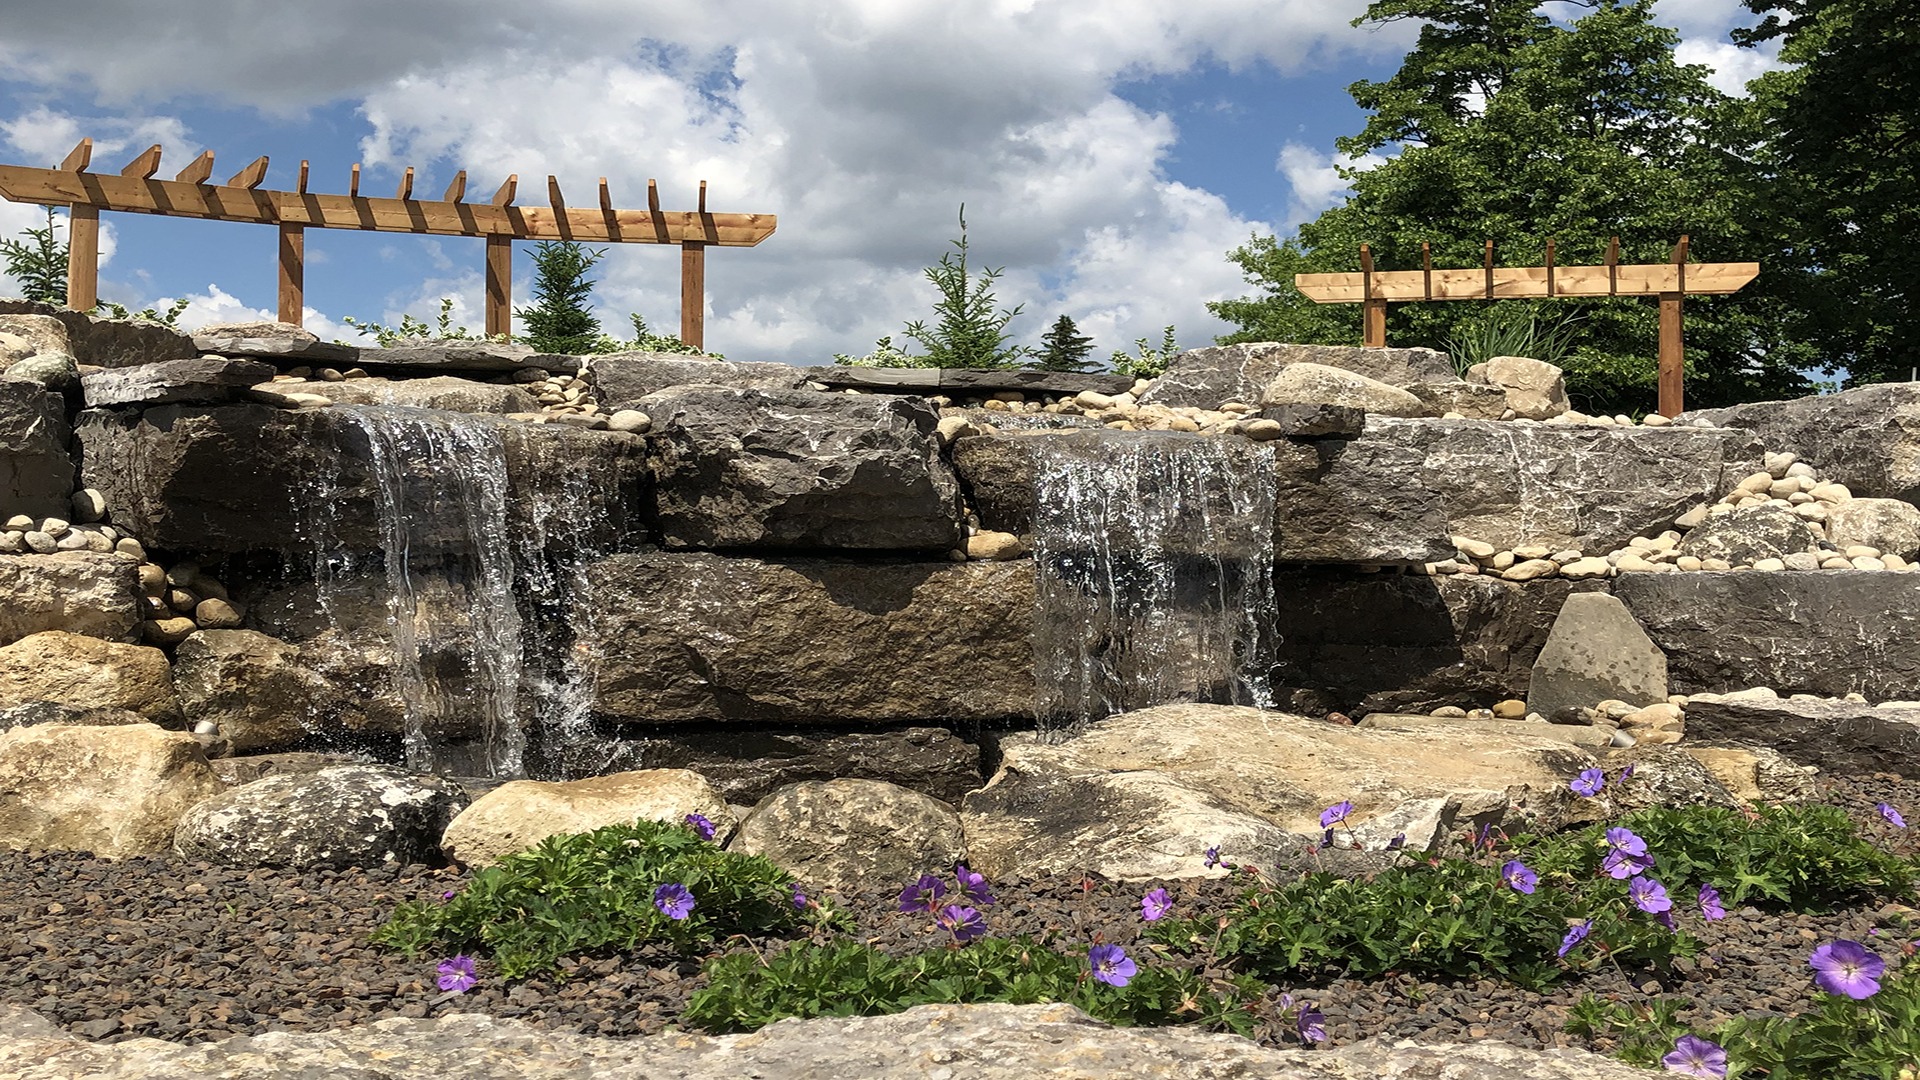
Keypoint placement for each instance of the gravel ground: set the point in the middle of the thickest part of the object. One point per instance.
(187, 951)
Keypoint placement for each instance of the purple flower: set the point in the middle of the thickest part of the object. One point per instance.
(457, 975)
(1649, 895)
(1336, 813)
(1620, 866)
(1846, 967)
(965, 922)
(1588, 783)
(1399, 841)
(1213, 856)
(1626, 842)
(1111, 965)
(1697, 1057)
(700, 825)
(1665, 918)
(923, 895)
(448, 895)
(1484, 838)
(1518, 877)
(972, 886)
(1574, 937)
(1624, 773)
(799, 899)
(1312, 1024)
(1893, 816)
(1155, 905)
(674, 901)
(1710, 904)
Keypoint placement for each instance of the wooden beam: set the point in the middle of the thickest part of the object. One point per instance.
(654, 218)
(1373, 316)
(693, 293)
(1489, 270)
(302, 188)
(405, 191)
(83, 256)
(173, 198)
(1426, 268)
(508, 188)
(353, 183)
(1673, 356)
(1521, 282)
(457, 190)
(1613, 267)
(703, 196)
(252, 176)
(79, 157)
(293, 274)
(199, 172)
(606, 197)
(142, 166)
(500, 283)
(1550, 266)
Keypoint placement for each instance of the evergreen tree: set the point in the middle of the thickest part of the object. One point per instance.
(1511, 127)
(971, 332)
(1064, 348)
(39, 264)
(559, 321)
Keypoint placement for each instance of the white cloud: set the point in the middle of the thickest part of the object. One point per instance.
(44, 136)
(1313, 178)
(1733, 67)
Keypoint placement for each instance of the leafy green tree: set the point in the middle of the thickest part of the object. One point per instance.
(1064, 348)
(39, 264)
(972, 329)
(1512, 127)
(559, 321)
(1836, 176)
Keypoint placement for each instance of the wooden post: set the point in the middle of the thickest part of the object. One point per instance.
(693, 293)
(293, 273)
(499, 285)
(1373, 310)
(1673, 348)
(83, 257)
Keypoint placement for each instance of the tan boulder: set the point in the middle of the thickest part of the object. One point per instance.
(1318, 384)
(850, 833)
(42, 333)
(78, 670)
(1536, 390)
(1886, 525)
(111, 791)
(82, 592)
(517, 815)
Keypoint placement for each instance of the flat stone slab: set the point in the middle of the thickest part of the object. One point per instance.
(963, 380)
(622, 378)
(198, 381)
(451, 357)
(1837, 735)
(1204, 378)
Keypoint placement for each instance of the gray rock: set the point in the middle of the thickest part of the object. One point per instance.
(630, 376)
(36, 475)
(1204, 378)
(246, 768)
(1839, 736)
(1749, 534)
(1533, 389)
(957, 381)
(1306, 383)
(1663, 776)
(798, 469)
(1316, 421)
(991, 1042)
(78, 591)
(1892, 525)
(746, 764)
(1473, 401)
(55, 712)
(438, 392)
(346, 815)
(256, 328)
(1595, 652)
(110, 343)
(39, 333)
(847, 834)
(459, 356)
(1830, 633)
(1867, 438)
(257, 690)
(695, 637)
(173, 381)
(55, 371)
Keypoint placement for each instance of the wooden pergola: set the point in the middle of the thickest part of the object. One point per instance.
(135, 189)
(1670, 281)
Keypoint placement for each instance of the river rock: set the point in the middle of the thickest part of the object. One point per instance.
(994, 1042)
(347, 815)
(1890, 525)
(200, 380)
(255, 687)
(1203, 378)
(1595, 652)
(1837, 735)
(81, 592)
(1283, 770)
(630, 376)
(699, 637)
(438, 392)
(1828, 634)
(519, 814)
(746, 764)
(55, 371)
(1749, 534)
(798, 469)
(55, 665)
(849, 833)
(111, 790)
(1317, 384)
(1867, 438)
(36, 475)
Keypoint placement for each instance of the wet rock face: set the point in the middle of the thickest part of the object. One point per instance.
(347, 815)
(36, 476)
(746, 765)
(797, 469)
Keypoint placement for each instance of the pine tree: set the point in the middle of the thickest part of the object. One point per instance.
(971, 333)
(559, 322)
(1065, 348)
(40, 266)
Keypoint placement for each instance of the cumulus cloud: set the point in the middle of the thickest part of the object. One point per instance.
(1314, 180)
(1733, 67)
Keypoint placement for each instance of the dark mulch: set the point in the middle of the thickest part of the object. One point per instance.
(188, 951)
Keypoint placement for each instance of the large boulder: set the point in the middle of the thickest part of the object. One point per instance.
(1317, 384)
(111, 790)
(746, 764)
(1830, 633)
(1595, 652)
(517, 815)
(111, 343)
(1281, 769)
(82, 592)
(204, 379)
(1534, 389)
(1203, 378)
(39, 333)
(621, 378)
(848, 834)
(447, 392)
(1840, 736)
(701, 637)
(1892, 525)
(257, 690)
(36, 475)
(1749, 534)
(236, 478)
(798, 469)
(54, 371)
(346, 815)
(75, 669)
(1867, 438)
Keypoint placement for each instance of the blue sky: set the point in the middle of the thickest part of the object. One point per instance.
(1108, 154)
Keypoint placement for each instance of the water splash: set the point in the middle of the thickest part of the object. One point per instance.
(1155, 560)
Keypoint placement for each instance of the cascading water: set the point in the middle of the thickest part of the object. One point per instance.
(1155, 560)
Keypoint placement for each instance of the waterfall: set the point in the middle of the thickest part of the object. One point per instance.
(1155, 560)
